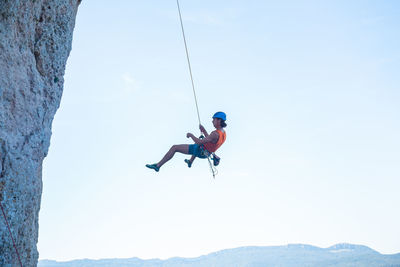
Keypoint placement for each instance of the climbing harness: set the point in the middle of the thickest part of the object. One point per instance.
(212, 168)
(9, 230)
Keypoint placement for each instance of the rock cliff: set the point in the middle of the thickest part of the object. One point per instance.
(35, 41)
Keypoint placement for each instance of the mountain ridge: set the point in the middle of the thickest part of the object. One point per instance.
(341, 255)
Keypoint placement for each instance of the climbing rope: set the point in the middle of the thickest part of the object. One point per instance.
(188, 60)
(9, 230)
(212, 168)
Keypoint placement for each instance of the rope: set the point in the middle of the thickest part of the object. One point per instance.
(9, 230)
(212, 168)
(188, 60)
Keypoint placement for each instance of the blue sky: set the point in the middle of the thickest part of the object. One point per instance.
(311, 91)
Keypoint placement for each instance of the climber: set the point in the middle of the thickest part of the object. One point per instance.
(202, 148)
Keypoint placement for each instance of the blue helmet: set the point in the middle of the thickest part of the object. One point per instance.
(220, 115)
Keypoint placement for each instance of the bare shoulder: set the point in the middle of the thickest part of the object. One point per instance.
(214, 135)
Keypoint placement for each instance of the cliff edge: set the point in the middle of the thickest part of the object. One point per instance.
(35, 41)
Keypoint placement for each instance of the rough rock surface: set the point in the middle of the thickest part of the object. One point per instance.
(35, 41)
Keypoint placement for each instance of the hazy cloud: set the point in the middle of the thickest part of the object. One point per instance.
(130, 84)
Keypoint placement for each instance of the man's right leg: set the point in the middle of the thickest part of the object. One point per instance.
(216, 159)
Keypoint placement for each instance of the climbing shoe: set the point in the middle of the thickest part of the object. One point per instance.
(153, 166)
(216, 160)
(188, 162)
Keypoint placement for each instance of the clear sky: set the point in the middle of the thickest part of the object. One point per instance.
(311, 90)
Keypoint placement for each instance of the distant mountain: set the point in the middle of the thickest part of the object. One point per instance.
(340, 255)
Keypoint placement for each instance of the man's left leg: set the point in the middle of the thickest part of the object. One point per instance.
(189, 162)
(184, 149)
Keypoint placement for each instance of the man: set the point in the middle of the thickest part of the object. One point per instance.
(201, 148)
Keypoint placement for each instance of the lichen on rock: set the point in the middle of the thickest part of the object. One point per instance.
(35, 42)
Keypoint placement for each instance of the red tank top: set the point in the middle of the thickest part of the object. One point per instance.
(221, 139)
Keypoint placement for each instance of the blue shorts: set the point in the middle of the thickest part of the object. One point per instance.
(197, 151)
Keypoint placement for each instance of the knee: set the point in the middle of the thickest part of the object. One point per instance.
(173, 148)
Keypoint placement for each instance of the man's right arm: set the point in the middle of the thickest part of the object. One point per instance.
(212, 138)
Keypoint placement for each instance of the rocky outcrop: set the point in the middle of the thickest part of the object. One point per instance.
(35, 41)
